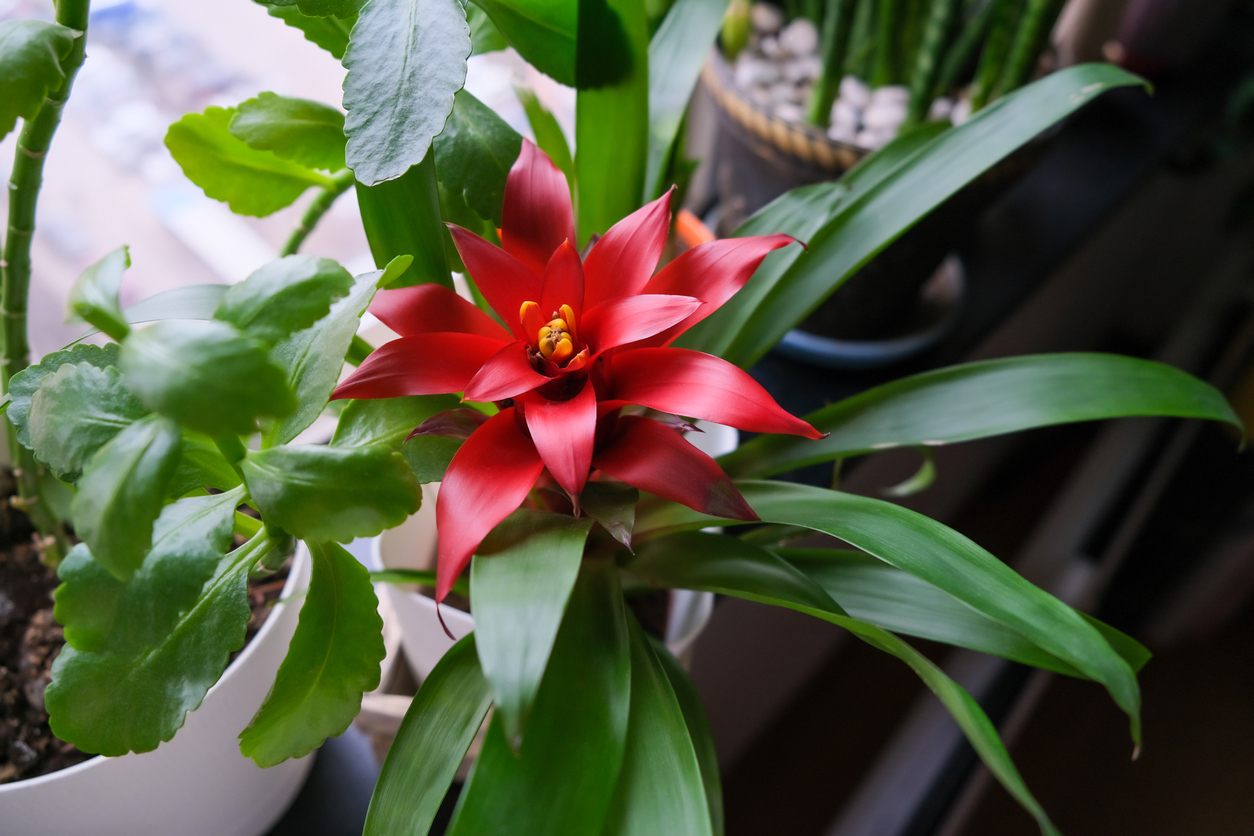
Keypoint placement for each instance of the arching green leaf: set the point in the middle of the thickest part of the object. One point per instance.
(306, 132)
(30, 66)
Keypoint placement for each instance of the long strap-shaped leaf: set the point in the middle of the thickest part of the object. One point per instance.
(731, 566)
(433, 738)
(978, 400)
(947, 560)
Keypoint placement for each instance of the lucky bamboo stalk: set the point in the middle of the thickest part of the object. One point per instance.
(886, 25)
(1034, 28)
(837, 20)
(963, 50)
(927, 63)
(1001, 27)
(860, 50)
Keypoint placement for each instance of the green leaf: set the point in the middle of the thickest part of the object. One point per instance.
(698, 731)
(26, 383)
(77, 410)
(549, 135)
(402, 218)
(875, 592)
(474, 154)
(331, 493)
(545, 33)
(300, 130)
(730, 566)
(94, 297)
(251, 182)
(676, 52)
(201, 465)
(324, 8)
(562, 780)
(330, 33)
(613, 506)
(311, 360)
(105, 615)
(405, 60)
(121, 493)
(660, 788)
(30, 67)
(484, 36)
(194, 301)
(612, 131)
(113, 703)
(433, 738)
(520, 581)
(991, 397)
(333, 659)
(387, 420)
(863, 227)
(285, 296)
(428, 456)
(206, 375)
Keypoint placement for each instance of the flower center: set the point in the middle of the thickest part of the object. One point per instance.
(554, 339)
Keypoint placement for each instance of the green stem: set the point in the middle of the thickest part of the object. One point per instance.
(836, 24)
(1038, 21)
(358, 351)
(27, 177)
(885, 42)
(340, 182)
(960, 55)
(860, 53)
(927, 64)
(996, 50)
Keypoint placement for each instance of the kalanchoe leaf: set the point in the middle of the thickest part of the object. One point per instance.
(201, 465)
(304, 131)
(386, 421)
(473, 156)
(429, 456)
(193, 301)
(122, 491)
(484, 36)
(31, 52)
(451, 423)
(613, 506)
(330, 33)
(333, 659)
(94, 297)
(285, 296)
(331, 493)
(206, 375)
(323, 8)
(26, 382)
(77, 410)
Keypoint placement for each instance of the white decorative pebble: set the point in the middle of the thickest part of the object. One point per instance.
(805, 69)
(751, 71)
(854, 91)
(884, 116)
(785, 92)
(843, 132)
(800, 37)
(844, 113)
(770, 48)
(890, 94)
(871, 139)
(766, 18)
(790, 112)
(961, 112)
(940, 109)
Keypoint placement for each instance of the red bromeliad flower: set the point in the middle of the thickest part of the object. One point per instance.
(585, 339)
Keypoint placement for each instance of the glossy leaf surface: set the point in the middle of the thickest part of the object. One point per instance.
(330, 33)
(26, 383)
(285, 296)
(474, 154)
(300, 130)
(194, 301)
(484, 36)
(333, 659)
(387, 420)
(77, 410)
(549, 135)
(698, 731)
(613, 506)
(201, 465)
(429, 456)
(30, 67)
(402, 218)
(94, 297)
(545, 33)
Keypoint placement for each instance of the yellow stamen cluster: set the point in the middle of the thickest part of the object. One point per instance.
(555, 339)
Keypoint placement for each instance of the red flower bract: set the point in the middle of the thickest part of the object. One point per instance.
(584, 339)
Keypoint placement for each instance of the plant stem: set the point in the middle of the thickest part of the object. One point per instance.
(340, 182)
(958, 59)
(886, 25)
(1035, 26)
(1001, 28)
(836, 24)
(860, 53)
(927, 64)
(27, 177)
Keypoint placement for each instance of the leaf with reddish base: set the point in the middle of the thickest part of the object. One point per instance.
(502, 279)
(629, 319)
(564, 432)
(451, 423)
(622, 262)
(506, 374)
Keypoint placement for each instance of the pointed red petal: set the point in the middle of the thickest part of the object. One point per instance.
(712, 272)
(502, 279)
(691, 383)
(486, 481)
(536, 217)
(563, 282)
(657, 459)
(432, 308)
(564, 432)
(621, 263)
(626, 319)
(506, 374)
(428, 364)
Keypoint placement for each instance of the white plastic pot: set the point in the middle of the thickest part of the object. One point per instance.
(198, 783)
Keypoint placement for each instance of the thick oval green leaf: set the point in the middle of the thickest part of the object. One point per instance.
(102, 614)
(545, 32)
(863, 227)
(331, 493)
(324, 8)
(978, 400)
(285, 296)
(330, 33)
(660, 788)
(113, 703)
(306, 132)
(484, 36)
(402, 218)
(433, 738)
(195, 301)
(871, 590)
(405, 60)
(94, 297)
(731, 566)
(563, 778)
(520, 581)
(387, 420)
(251, 182)
(201, 465)
(333, 659)
(206, 375)
(698, 731)
(121, 493)
(474, 154)
(429, 456)
(78, 409)
(26, 383)
(676, 52)
(30, 66)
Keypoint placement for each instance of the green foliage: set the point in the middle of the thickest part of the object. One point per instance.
(206, 375)
(331, 493)
(520, 581)
(429, 456)
(484, 36)
(387, 420)
(333, 659)
(120, 493)
(405, 60)
(433, 738)
(402, 218)
(285, 296)
(76, 411)
(305, 132)
(613, 506)
(324, 8)
(545, 33)
(31, 52)
(94, 297)
(330, 33)
(549, 136)
(250, 181)
(26, 382)
(698, 731)
(474, 154)
(201, 465)
(193, 301)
